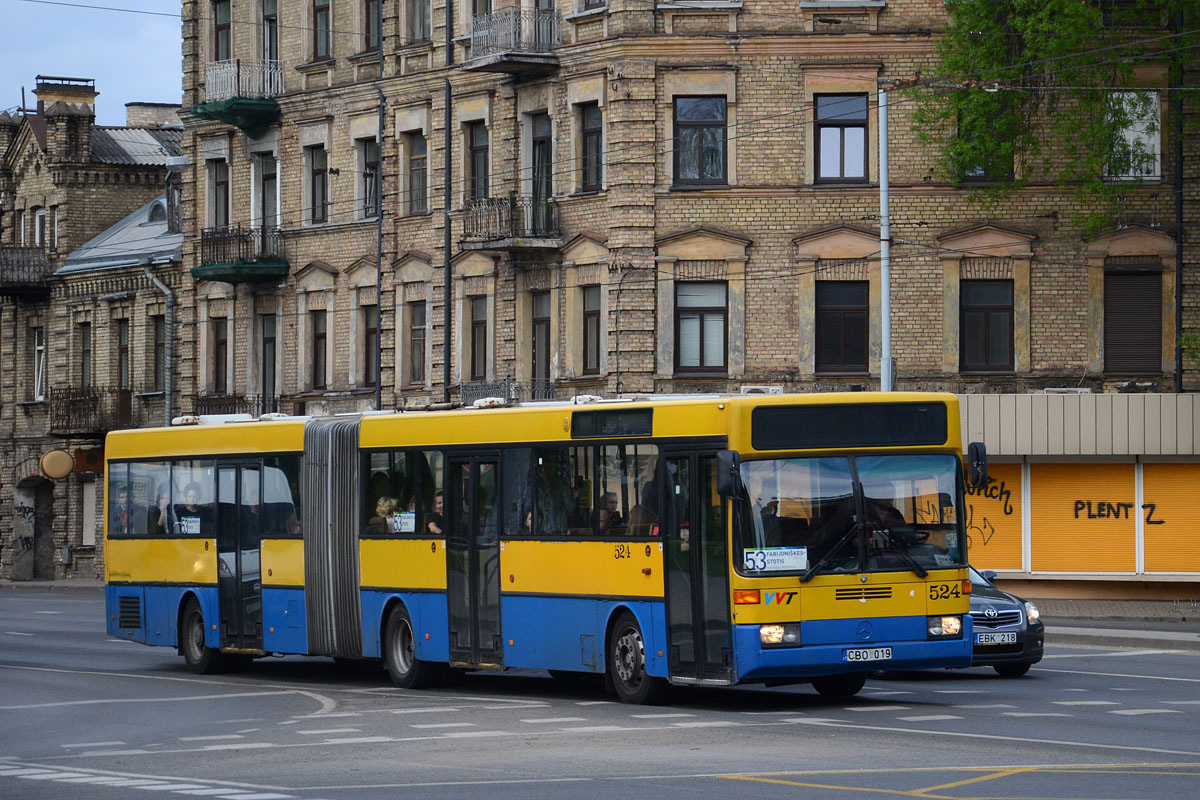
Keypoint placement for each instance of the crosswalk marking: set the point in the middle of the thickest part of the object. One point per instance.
(929, 718)
(555, 719)
(445, 725)
(1134, 712)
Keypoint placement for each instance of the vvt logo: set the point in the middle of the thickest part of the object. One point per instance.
(780, 598)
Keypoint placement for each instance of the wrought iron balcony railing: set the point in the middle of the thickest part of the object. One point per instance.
(253, 404)
(22, 270)
(82, 411)
(515, 30)
(231, 245)
(512, 217)
(512, 391)
(238, 78)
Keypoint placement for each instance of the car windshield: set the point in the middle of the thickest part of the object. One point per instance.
(840, 514)
(977, 579)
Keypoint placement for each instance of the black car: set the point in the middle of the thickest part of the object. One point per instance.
(1008, 630)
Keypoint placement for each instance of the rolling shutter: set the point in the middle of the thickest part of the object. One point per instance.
(1133, 323)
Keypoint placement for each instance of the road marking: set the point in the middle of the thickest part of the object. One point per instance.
(445, 725)
(1181, 702)
(597, 729)
(929, 718)
(211, 738)
(517, 707)
(715, 723)
(173, 787)
(1135, 712)
(555, 719)
(18, 633)
(261, 796)
(328, 731)
(1085, 702)
(360, 740)
(118, 701)
(93, 744)
(475, 734)
(960, 691)
(986, 705)
(420, 710)
(206, 792)
(54, 776)
(890, 692)
(660, 716)
(1033, 714)
(240, 746)
(1117, 654)
(593, 702)
(877, 708)
(49, 612)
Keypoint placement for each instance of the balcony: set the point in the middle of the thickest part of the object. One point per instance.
(242, 94)
(511, 223)
(512, 391)
(253, 404)
(241, 255)
(515, 41)
(92, 411)
(23, 273)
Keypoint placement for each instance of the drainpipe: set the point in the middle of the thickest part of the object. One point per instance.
(169, 380)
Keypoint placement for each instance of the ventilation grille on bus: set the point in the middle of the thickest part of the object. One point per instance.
(863, 593)
(129, 613)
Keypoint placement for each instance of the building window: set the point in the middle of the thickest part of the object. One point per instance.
(39, 227)
(700, 140)
(986, 327)
(416, 342)
(588, 5)
(478, 358)
(270, 29)
(418, 181)
(841, 134)
(220, 339)
(700, 327)
(39, 364)
(591, 330)
(542, 157)
(541, 337)
(481, 8)
(158, 349)
(369, 175)
(418, 20)
(370, 361)
(55, 227)
(268, 191)
(1134, 117)
(85, 355)
(592, 147)
(842, 325)
(477, 166)
(974, 163)
(317, 348)
(222, 31)
(1133, 322)
(266, 327)
(123, 380)
(318, 184)
(371, 24)
(218, 175)
(20, 234)
(321, 33)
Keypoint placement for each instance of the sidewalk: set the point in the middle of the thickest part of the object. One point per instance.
(1103, 623)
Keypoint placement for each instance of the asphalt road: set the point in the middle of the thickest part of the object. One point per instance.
(80, 712)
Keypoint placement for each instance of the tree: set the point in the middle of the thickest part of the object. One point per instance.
(1039, 85)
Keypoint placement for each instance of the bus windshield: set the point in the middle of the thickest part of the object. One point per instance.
(846, 514)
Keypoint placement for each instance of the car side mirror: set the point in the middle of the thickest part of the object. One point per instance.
(989, 575)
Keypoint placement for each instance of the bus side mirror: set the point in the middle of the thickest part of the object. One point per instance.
(977, 473)
(729, 475)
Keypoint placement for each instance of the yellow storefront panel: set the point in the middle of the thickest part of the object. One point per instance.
(993, 517)
(184, 561)
(1169, 494)
(612, 568)
(403, 563)
(282, 562)
(1083, 517)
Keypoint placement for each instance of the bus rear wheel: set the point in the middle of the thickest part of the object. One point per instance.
(200, 658)
(840, 685)
(401, 653)
(627, 664)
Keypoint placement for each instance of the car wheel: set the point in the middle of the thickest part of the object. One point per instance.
(627, 664)
(1011, 670)
(401, 653)
(200, 658)
(840, 685)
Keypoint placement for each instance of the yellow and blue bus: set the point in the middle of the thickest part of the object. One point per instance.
(709, 540)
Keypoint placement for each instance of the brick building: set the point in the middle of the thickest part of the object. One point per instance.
(81, 310)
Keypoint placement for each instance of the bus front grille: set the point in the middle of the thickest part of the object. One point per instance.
(863, 593)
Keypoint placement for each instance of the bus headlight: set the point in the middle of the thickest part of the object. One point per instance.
(945, 627)
(780, 635)
(1031, 612)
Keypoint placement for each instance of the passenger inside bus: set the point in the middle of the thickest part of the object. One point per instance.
(434, 521)
(193, 517)
(385, 508)
(156, 515)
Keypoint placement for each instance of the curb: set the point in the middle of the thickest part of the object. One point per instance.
(1109, 637)
(51, 586)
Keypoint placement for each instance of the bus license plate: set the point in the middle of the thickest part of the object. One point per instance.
(1009, 637)
(869, 654)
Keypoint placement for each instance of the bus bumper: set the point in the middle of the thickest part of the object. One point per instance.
(824, 644)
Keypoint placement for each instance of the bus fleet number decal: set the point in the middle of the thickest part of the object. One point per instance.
(622, 551)
(944, 591)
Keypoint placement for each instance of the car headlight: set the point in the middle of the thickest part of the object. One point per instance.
(1031, 612)
(780, 635)
(940, 627)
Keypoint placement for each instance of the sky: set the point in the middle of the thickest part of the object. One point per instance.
(134, 58)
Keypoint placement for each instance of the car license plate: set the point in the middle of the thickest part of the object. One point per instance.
(1009, 637)
(869, 654)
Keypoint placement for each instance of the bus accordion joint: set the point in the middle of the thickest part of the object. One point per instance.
(746, 597)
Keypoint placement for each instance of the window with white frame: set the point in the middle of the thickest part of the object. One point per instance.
(841, 134)
(1134, 117)
(20, 232)
(39, 227)
(38, 388)
(55, 227)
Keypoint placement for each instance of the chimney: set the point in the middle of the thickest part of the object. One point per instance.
(152, 115)
(69, 108)
(8, 129)
(53, 89)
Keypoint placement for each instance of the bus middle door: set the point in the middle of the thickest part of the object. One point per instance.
(239, 580)
(472, 513)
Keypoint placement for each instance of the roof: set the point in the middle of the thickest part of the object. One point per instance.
(134, 241)
(143, 146)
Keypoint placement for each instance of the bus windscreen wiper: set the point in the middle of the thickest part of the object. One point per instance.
(902, 551)
(815, 568)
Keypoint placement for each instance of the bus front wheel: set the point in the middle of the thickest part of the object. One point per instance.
(627, 664)
(401, 653)
(840, 685)
(200, 658)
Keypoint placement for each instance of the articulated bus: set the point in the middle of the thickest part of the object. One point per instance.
(709, 540)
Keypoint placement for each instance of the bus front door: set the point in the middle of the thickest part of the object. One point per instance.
(472, 513)
(239, 582)
(699, 637)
